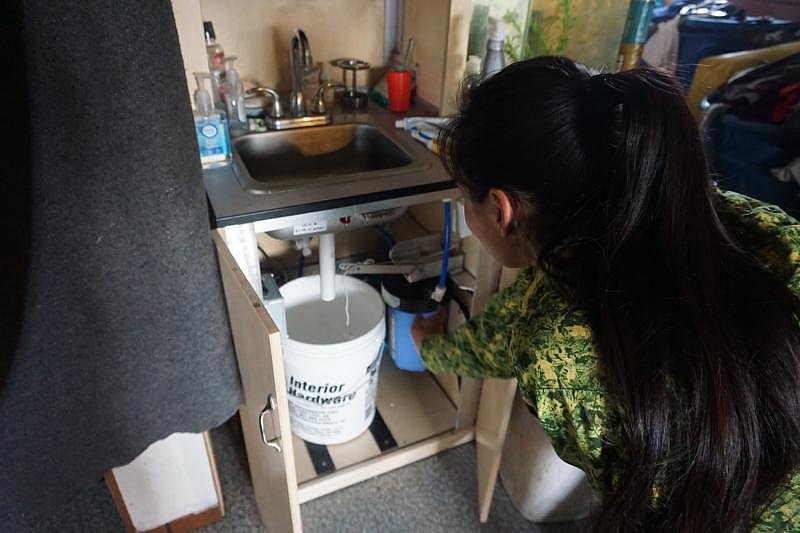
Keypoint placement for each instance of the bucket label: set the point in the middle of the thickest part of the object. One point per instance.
(322, 411)
(320, 394)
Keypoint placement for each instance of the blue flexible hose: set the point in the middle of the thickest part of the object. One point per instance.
(446, 256)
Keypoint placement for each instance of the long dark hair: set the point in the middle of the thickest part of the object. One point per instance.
(698, 343)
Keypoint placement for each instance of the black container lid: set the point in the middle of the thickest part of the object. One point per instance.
(208, 28)
(409, 297)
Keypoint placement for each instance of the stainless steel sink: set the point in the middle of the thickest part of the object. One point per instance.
(308, 157)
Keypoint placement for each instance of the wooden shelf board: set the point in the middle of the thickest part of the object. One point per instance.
(416, 411)
(386, 462)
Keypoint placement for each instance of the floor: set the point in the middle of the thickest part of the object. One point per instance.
(438, 494)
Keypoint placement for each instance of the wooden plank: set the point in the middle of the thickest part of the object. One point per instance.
(455, 59)
(450, 382)
(212, 462)
(497, 398)
(302, 461)
(428, 22)
(258, 351)
(119, 502)
(507, 277)
(469, 399)
(412, 404)
(487, 277)
(195, 521)
(386, 462)
(414, 408)
(354, 451)
(189, 23)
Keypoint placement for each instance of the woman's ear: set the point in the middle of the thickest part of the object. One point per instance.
(504, 210)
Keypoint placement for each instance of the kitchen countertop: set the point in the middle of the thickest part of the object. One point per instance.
(231, 204)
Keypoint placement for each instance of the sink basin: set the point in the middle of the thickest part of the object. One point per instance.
(289, 159)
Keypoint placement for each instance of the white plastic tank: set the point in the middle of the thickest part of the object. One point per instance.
(332, 368)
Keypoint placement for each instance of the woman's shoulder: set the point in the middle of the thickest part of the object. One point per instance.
(556, 333)
(765, 231)
(783, 511)
(754, 212)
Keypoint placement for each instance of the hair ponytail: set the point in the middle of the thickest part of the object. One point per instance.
(697, 341)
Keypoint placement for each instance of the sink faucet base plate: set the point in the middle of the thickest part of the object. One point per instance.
(288, 123)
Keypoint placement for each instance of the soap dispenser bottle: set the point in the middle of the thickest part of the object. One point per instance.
(211, 127)
(234, 98)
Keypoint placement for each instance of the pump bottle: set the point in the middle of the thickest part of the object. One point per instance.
(216, 64)
(210, 126)
(234, 98)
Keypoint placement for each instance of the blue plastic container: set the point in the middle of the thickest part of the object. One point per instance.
(404, 302)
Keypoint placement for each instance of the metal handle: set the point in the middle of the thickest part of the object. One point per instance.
(271, 407)
(319, 97)
(277, 109)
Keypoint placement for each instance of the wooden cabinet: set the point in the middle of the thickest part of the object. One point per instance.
(424, 415)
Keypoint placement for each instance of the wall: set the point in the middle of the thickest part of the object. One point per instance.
(259, 33)
(588, 31)
(440, 29)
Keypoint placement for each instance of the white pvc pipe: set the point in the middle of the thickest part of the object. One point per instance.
(241, 241)
(327, 267)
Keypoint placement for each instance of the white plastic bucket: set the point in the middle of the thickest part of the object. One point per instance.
(332, 370)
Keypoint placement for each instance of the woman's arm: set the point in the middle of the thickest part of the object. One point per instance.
(479, 348)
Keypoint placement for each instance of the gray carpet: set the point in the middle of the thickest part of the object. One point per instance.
(438, 494)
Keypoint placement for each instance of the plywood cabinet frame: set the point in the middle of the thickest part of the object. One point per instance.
(278, 494)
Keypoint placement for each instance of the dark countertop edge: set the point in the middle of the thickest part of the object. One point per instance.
(329, 204)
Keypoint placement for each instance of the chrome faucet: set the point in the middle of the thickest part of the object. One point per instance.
(277, 109)
(300, 60)
(319, 97)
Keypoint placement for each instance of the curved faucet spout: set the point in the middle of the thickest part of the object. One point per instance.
(300, 58)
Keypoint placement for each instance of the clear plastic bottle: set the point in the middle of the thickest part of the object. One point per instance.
(216, 55)
(495, 59)
(216, 64)
(210, 126)
(234, 98)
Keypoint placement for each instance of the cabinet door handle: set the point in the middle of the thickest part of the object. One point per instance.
(271, 407)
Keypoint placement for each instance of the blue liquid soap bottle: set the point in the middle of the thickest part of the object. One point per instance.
(211, 127)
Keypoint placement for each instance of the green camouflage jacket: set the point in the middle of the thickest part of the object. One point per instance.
(530, 332)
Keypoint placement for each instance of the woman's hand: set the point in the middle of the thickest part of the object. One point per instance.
(425, 327)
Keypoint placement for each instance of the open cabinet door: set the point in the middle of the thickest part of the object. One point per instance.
(494, 412)
(497, 396)
(265, 411)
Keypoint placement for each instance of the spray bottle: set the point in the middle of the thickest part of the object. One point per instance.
(234, 98)
(211, 127)
(216, 64)
(495, 59)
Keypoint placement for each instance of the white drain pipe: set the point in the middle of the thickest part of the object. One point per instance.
(327, 267)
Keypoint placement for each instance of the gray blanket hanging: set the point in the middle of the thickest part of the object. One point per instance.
(114, 330)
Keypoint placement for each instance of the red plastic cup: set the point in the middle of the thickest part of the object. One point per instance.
(399, 85)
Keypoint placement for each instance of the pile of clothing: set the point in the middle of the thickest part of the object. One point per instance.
(683, 33)
(769, 94)
(752, 133)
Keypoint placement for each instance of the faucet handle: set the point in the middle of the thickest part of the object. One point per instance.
(277, 109)
(319, 97)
